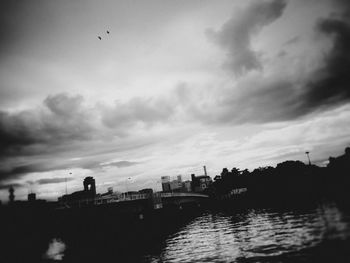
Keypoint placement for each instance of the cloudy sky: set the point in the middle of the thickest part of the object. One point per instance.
(174, 86)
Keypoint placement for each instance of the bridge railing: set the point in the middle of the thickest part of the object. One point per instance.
(120, 198)
(183, 195)
(125, 197)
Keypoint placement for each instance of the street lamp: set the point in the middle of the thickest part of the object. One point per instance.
(308, 157)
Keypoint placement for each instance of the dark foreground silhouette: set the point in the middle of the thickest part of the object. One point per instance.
(287, 183)
(38, 232)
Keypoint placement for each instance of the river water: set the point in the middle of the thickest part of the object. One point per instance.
(261, 235)
(320, 233)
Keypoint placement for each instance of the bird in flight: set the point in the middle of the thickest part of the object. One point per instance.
(99, 37)
(107, 32)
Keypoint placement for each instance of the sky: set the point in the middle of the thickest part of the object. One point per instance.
(174, 86)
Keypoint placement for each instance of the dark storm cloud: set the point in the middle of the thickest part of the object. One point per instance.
(16, 130)
(7, 186)
(328, 86)
(235, 35)
(40, 132)
(11, 169)
(279, 97)
(121, 164)
(15, 171)
(31, 131)
(255, 100)
(332, 83)
(64, 119)
(53, 180)
(68, 119)
(22, 169)
(272, 100)
(64, 122)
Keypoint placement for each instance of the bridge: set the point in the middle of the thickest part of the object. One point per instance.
(139, 201)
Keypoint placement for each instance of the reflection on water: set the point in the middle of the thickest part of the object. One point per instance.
(317, 234)
(56, 250)
(259, 235)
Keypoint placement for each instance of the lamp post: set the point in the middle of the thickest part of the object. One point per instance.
(308, 157)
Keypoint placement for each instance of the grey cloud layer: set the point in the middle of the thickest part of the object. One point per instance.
(147, 111)
(332, 84)
(60, 121)
(281, 97)
(121, 164)
(52, 180)
(235, 35)
(7, 186)
(65, 119)
(65, 124)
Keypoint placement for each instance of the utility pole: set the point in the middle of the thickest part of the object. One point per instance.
(308, 157)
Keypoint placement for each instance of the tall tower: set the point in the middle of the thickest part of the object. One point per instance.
(165, 183)
(11, 195)
(308, 157)
(90, 185)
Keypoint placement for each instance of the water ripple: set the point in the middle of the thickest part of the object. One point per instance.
(254, 234)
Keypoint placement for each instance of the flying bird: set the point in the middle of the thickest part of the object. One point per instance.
(107, 32)
(99, 37)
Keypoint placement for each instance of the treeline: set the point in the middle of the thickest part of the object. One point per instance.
(289, 179)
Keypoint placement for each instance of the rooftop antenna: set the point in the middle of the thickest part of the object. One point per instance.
(30, 187)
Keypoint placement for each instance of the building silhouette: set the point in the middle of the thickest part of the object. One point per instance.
(177, 185)
(88, 192)
(200, 183)
(31, 197)
(90, 185)
(165, 183)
